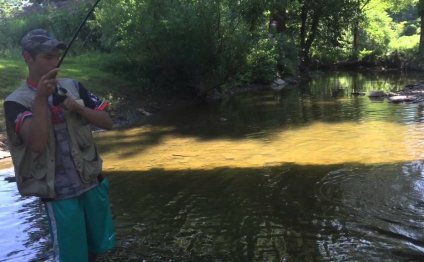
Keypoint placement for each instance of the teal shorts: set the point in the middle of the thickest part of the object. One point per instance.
(82, 225)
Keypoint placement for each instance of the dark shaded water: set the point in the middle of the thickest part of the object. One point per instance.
(286, 213)
(310, 173)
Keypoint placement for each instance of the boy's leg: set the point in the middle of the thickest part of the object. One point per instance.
(100, 229)
(67, 227)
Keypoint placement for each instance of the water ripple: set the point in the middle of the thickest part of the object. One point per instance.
(23, 225)
(380, 204)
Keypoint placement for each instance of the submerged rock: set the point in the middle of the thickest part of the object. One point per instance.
(402, 98)
(10, 179)
(377, 94)
(412, 93)
(278, 84)
(358, 93)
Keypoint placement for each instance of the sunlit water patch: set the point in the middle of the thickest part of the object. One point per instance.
(364, 142)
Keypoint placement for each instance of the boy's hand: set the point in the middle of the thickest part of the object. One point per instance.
(47, 83)
(72, 105)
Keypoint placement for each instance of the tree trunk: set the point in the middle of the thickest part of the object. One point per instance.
(278, 21)
(421, 13)
(355, 45)
(303, 17)
(307, 40)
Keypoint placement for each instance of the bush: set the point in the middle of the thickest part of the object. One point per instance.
(60, 22)
(261, 61)
(189, 46)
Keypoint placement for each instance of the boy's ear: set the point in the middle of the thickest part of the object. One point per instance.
(27, 56)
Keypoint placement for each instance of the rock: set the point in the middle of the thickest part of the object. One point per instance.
(357, 93)
(278, 84)
(377, 93)
(337, 92)
(144, 112)
(10, 179)
(400, 99)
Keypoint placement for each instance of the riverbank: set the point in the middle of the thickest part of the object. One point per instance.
(123, 114)
(127, 113)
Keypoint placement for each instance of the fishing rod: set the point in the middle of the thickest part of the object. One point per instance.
(77, 32)
(60, 93)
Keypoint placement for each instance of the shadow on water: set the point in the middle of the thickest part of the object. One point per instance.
(285, 213)
(262, 114)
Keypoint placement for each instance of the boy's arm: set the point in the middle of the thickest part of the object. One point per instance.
(35, 130)
(96, 117)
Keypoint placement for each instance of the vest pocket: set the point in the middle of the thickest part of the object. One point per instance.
(33, 187)
(91, 169)
(84, 137)
(38, 165)
(88, 164)
(32, 175)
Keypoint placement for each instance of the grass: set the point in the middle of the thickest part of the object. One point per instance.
(12, 72)
(85, 69)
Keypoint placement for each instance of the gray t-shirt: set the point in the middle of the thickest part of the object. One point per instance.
(67, 181)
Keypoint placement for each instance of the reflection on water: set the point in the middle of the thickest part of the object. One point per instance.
(308, 173)
(291, 212)
(23, 225)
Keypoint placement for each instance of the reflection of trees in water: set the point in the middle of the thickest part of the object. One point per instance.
(300, 213)
(245, 215)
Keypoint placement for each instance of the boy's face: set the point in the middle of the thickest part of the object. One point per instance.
(44, 62)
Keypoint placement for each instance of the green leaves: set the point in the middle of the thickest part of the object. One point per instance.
(195, 45)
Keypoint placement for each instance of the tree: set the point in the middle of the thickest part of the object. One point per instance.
(8, 7)
(421, 14)
(322, 17)
(358, 18)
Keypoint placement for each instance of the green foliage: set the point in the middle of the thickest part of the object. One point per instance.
(61, 22)
(185, 45)
(288, 55)
(192, 46)
(365, 53)
(262, 61)
(405, 43)
(378, 32)
(8, 8)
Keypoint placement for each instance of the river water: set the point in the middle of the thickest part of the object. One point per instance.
(310, 173)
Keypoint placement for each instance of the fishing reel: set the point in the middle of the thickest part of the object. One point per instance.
(59, 95)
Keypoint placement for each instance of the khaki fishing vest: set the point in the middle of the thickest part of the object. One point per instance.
(35, 172)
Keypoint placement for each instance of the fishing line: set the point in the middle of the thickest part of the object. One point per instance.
(60, 93)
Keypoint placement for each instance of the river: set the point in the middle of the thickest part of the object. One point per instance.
(310, 173)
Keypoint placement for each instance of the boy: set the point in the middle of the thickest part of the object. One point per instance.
(54, 154)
